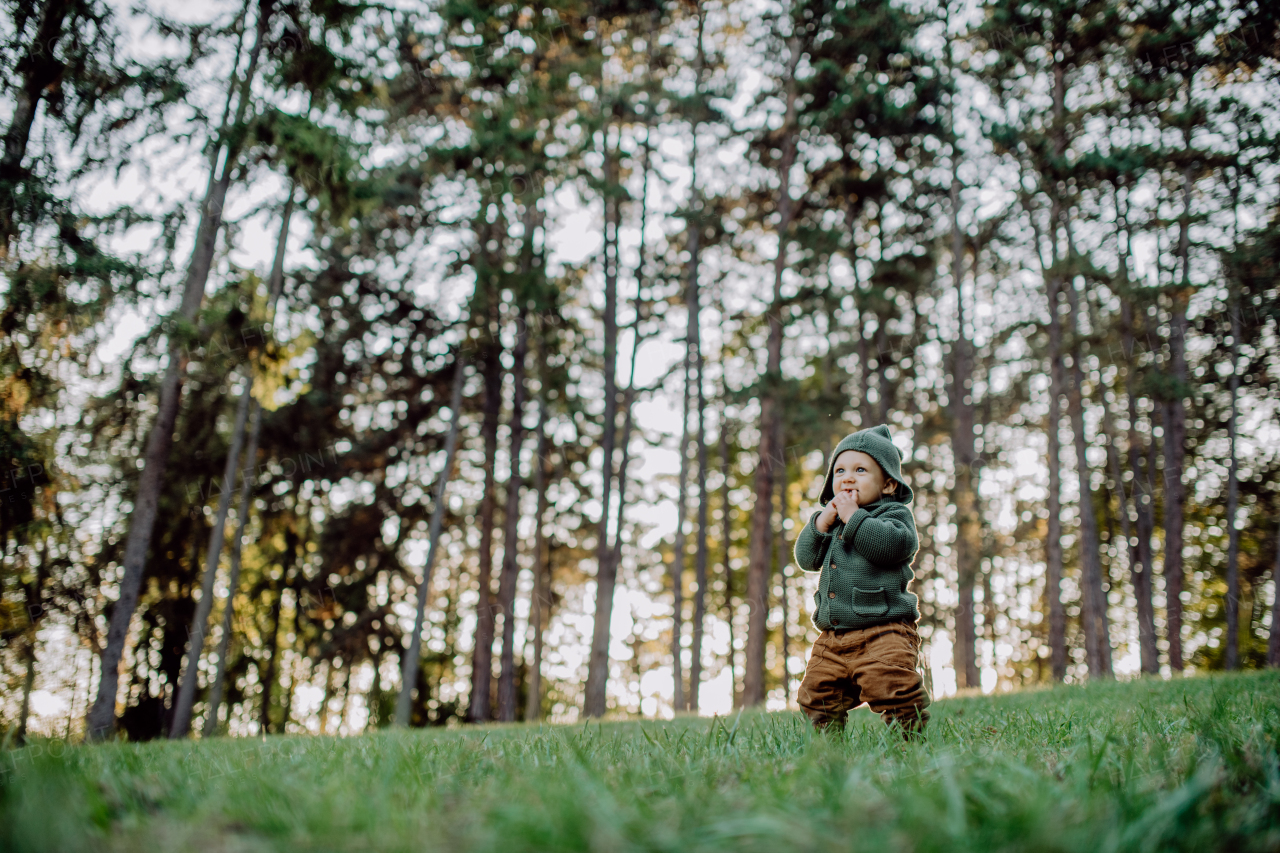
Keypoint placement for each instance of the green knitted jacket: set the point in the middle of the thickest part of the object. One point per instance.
(865, 565)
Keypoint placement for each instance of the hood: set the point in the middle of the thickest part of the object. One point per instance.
(877, 443)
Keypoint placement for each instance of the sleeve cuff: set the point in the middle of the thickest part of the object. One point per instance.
(851, 526)
(813, 525)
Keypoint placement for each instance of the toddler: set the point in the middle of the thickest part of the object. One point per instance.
(862, 541)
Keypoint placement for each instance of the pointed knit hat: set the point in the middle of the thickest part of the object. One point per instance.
(878, 444)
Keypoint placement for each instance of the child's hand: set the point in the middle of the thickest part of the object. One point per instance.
(846, 504)
(827, 518)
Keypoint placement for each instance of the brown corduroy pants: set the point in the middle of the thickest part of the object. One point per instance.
(873, 665)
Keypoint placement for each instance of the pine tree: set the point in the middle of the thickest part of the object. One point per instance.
(1167, 61)
(614, 105)
(784, 140)
(224, 160)
(1061, 43)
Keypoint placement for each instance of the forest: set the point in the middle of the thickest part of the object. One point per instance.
(371, 364)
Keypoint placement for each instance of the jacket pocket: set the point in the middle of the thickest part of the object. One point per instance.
(870, 602)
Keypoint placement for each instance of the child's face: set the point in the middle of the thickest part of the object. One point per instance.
(857, 472)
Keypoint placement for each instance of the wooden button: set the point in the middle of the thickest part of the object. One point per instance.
(831, 595)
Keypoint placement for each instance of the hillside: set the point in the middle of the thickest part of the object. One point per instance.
(1184, 765)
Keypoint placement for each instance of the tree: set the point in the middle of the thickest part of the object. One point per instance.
(1059, 45)
(1140, 554)
(784, 140)
(1167, 61)
(296, 144)
(410, 661)
(697, 227)
(66, 61)
(960, 396)
(612, 195)
(540, 605)
(224, 152)
(510, 549)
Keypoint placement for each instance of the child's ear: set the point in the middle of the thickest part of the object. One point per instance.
(890, 486)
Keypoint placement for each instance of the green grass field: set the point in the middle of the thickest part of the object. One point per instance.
(1190, 764)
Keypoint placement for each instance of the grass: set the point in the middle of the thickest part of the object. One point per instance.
(1191, 764)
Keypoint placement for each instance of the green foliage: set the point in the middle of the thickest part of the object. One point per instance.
(1149, 765)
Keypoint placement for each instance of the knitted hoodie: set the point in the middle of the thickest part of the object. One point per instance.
(865, 562)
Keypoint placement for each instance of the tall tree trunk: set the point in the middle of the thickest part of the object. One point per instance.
(326, 695)
(288, 571)
(233, 585)
(753, 690)
(677, 560)
(726, 535)
(286, 713)
(275, 288)
(1175, 434)
(482, 654)
(1145, 521)
(71, 707)
(700, 595)
(1053, 537)
(629, 396)
(1140, 563)
(28, 683)
(866, 419)
(693, 358)
(1233, 474)
(1097, 629)
(1057, 382)
(963, 448)
(510, 554)
(1097, 635)
(217, 534)
(863, 405)
(884, 355)
(594, 700)
(36, 70)
(989, 610)
(101, 717)
(1273, 641)
(863, 301)
(346, 694)
(410, 662)
(35, 613)
(695, 343)
(1053, 503)
(373, 702)
(510, 547)
(268, 677)
(1126, 520)
(541, 604)
(784, 572)
(1233, 496)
